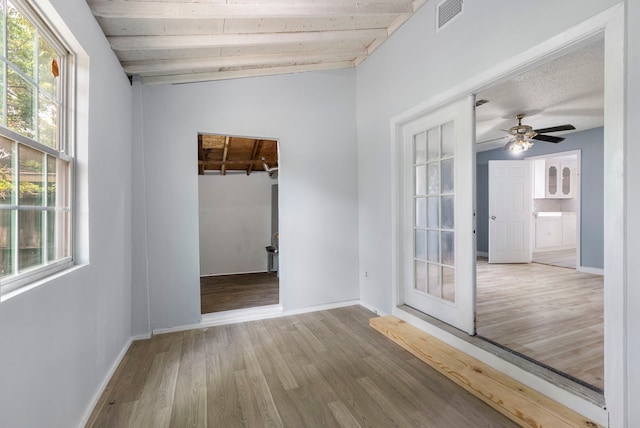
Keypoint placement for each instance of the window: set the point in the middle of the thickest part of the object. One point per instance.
(35, 157)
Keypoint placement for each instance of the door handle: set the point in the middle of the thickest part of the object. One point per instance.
(493, 217)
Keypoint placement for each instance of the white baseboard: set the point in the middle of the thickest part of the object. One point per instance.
(324, 307)
(141, 337)
(233, 273)
(373, 309)
(104, 383)
(594, 271)
(482, 253)
(252, 314)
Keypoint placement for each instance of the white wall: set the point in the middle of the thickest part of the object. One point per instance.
(313, 117)
(416, 65)
(235, 222)
(59, 340)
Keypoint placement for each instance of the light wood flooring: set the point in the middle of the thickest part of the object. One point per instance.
(321, 369)
(228, 292)
(550, 314)
(560, 258)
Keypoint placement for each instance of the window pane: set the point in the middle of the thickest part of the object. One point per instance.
(6, 247)
(1, 29)
(31, 176)
(51, 181)
(20, 41)
(433, 178)
(48, 122)
(447, 212)
(421, 212)
(449, 284)
(7, 179)
(51, 235)
(433, 216)
(20, 105)
(2, 88)
(448, 139)
(433, 246)
(46, 79)
(30, 239)
(447, 176)
(421, 276)
(433, 281)
(433, 143)
(420, 245)
(420, 147)
(448, 253)
(421, 180)
(57, 235)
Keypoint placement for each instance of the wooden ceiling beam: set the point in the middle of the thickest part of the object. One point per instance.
(225, 152)
(213, 163)
(257, 148)
(181, 10)
(200, 155)
(196, 64)
(128, 43)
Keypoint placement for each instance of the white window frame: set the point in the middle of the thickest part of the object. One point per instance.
(64, 151)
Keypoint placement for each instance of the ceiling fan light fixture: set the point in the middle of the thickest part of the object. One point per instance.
(520, 144)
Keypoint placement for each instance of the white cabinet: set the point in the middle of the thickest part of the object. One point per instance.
(548, 232)
(569, 229)
(555, 231)
(554, 179)
(560, 178)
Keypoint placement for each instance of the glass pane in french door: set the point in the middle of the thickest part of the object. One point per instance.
(433, 194)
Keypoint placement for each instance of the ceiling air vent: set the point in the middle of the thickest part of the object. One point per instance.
(447, 10)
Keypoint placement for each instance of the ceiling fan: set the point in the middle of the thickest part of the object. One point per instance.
(521, 136)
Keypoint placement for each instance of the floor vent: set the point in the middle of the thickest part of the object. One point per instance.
(447, 11)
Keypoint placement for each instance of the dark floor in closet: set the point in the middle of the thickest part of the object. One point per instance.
(227, 292)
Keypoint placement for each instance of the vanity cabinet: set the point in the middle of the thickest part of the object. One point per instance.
(554, 179)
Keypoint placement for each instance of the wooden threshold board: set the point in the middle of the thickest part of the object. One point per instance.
(516, 401)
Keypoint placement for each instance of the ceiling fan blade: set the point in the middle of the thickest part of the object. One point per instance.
(555, 129)
(548, 138)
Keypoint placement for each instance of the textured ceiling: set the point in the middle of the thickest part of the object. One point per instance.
(567, 90)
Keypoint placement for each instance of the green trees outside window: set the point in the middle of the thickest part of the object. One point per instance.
(34, 163)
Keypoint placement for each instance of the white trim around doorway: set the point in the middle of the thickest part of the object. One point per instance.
(612, 23)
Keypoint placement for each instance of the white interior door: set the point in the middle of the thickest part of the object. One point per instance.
(438, 242)
(510, 211)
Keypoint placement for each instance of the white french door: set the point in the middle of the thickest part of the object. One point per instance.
(437, 195)
(510, 207)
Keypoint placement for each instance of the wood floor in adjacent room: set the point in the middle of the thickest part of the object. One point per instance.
(321, 369)
(228, 292)
(553, 315)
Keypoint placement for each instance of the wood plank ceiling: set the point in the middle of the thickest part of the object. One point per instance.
(223, 153)
(181, 41)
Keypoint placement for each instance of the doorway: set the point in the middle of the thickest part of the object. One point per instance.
(548, 307)
(238, 222)
(611, 24)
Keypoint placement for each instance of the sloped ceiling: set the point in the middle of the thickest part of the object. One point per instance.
(178, 41)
